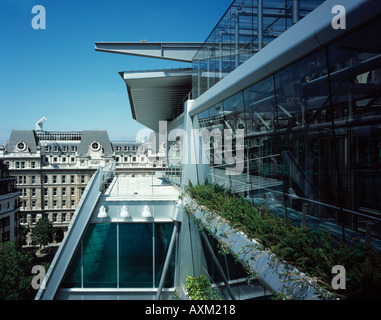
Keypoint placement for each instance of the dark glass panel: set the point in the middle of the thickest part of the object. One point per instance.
(163, 234)
(302, 92)
(100, 256)
(355, 66)
(73, 277)
(135, 255)
(232, 269)
(264, 161)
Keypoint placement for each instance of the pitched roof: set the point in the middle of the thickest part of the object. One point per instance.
(27, 136)
(90, 136)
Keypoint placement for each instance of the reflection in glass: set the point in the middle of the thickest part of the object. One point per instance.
(133, 249)
(232, 269)
(135, 255)
(163, 233)
(239, 35)
(312, 136)
(174, 155)
(73, 277)
(99, 256)
(302, 91)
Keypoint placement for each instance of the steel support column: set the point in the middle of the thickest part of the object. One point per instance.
(260, 24)
(219, 268)
(175, 232)
(295, 11)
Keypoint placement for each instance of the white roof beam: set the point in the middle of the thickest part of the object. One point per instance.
(176, 51)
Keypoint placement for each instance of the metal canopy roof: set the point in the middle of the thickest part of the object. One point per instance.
(156, 95)
(175, 51)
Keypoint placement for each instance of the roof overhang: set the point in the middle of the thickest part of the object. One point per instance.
(157, 95)
(175, 51)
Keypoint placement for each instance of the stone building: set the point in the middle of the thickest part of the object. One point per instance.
(52, 168)
(9, 206)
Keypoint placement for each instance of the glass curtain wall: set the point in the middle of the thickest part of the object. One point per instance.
(312, 136)
(246, 27)
(176, 140)
(232, 269)
(174, 156)
(122, 255)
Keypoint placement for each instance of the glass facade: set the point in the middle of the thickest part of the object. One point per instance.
(246, 27)
(100, 256)
(232, 269)
(177, 139)
(174, 164)
(136, 255)
(121, 255)
(312, 135)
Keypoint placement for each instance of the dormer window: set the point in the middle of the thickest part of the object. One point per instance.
(21, 146)
(95, 146)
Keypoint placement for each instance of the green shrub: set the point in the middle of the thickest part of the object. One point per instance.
(314, 253)
(199, 288)
(15, 273)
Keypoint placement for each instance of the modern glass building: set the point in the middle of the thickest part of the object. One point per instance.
(246, 27)
(304, 94)
(280, 105)
(312, 133)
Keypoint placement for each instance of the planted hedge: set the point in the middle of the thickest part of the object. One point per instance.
(314, 253)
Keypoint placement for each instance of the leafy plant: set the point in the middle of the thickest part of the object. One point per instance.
(15, 273)
(314, 253)
(199, 288)
(43, 233)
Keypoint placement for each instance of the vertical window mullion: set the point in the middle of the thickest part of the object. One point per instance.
(153, 255)
(117, 255)
(81, 244)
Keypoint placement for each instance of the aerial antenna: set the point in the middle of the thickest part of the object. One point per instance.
(40, 123)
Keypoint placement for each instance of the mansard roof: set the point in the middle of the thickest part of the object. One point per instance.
(90, 136)
(26, 136)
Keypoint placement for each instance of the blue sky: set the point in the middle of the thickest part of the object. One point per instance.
(56, 72)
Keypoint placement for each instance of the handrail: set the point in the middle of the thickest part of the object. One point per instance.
(76, 228)
(108, 171)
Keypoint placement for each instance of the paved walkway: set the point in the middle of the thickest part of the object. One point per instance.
(141, 186)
